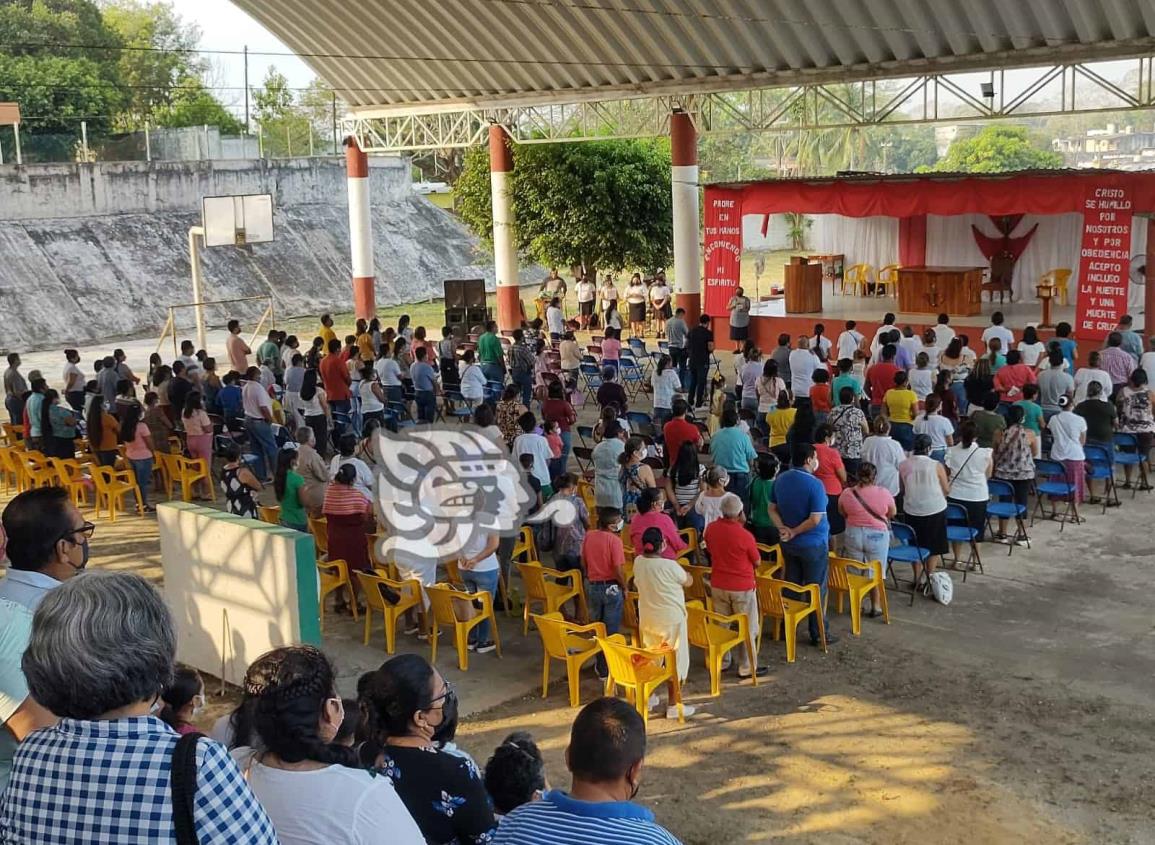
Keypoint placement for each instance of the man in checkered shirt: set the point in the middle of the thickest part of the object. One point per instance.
(101, 652)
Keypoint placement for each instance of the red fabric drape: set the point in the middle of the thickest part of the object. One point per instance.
(912, 241)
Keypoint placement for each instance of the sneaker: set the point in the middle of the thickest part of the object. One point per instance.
(486, 647)
(471, 646)
(654, 702)
(761, 672)
(831, 639)
(688, 710)
(416, 629)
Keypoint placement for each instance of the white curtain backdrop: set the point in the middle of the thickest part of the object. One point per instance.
(863, 240)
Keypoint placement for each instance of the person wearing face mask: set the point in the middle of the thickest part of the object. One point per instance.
(606, 756)
(183, 700)
(798, 508)
(47, 544)
(100, 656)
(313, 787)
(410, 709)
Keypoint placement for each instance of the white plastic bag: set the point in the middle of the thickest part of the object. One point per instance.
(941, 587)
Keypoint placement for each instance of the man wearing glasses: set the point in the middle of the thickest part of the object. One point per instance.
(47, 544)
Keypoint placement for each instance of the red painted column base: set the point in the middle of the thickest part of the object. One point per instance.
(364, 298)
(509, 310)
(692, 302)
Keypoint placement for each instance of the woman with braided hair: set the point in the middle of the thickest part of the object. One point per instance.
(310, 785)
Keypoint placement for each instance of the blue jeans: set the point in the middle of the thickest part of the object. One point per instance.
(15, 407)
(698, 383)
(143, 472)
(678, 358)
(808, 565)
(904, 434)
(739, 484)
(525, 382)
(337, 406)
(867, 544)
(262, 445)
(605, 601)
(494, 372)
(960, 397)
(477, 582)
(426, 406)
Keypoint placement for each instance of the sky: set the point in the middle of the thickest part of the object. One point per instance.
(225, 27)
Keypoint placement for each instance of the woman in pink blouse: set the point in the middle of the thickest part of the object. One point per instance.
(198, 430)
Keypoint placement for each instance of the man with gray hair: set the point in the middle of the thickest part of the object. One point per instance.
(100, 656)
(733, 560)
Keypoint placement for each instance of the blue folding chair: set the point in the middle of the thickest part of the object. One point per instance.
(1101, 467)
(586, 433)
(1004, 506)
(493, 391)
(1052, 481)
(907, 551)
(593, 379)
(631, 375)
(1127, 454)
(959, 530)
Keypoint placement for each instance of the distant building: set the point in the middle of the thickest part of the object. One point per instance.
(1118, 148)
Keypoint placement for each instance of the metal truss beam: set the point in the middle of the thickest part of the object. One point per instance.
(1058, 89)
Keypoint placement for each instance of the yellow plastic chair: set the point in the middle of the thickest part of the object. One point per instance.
(552, 589)
(693, 545)
(270, 514)
(857, 277)
(772, 560)
(585, 489)
(188, 471)
(443, 602)
(699, 588)
(70, 476)
(791, 610)
(525, 549)
(319, 528)
(561, 640)
(165, 464)
(714, 633)
(13, 434)
(333, 575)
(886, 283)
(410, 593)
(627, 542)
(453, 576)
(640, 671)
(1060, 280)
(38, 472)
(845, 579)
(111, 488)
(389, 567)
(9, 468)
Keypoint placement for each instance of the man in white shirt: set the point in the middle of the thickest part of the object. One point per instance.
(258, 408)
(530, 443)
(943, 333)
(1092, 373)
(997, 329)
(849, 341)
(803, 363)
(910, 342)
(876, 344)
(555, 319)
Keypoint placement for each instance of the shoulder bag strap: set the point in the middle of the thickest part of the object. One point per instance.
(869, 509)
(183, 784)
(954, 475)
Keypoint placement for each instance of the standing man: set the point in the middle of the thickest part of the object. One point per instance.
(587, 293)
(73, 380)
(15, 386)
(259, 423)
(326, 332)
(33, 407)
(700, 346)
(1132, 343)
(676, 331)
(555, 320)
(335, 375)
(553, 285)
(798, 505)
(424, 385)
(1116, 361)
(521, 361)
(997, 329)
(739, 308)
(238, 351)
(178, 389)
(1054, 382)
(660, 302)
(781, 356)
(269, 353)
(943, 333)
(490, 356)
(106, 381)
(733, 560)
(803, 363)
(849, 342)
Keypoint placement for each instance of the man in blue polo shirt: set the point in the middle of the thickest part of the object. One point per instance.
(798, 508)
(607, 749)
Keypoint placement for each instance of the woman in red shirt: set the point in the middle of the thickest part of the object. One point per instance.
(348, 515)
(832, 473)
(1012, 376)
(651, 515)
(557, 409)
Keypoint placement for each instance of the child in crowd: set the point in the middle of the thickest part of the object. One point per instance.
(529, 442)
(183, 700)
(603, 556)
(552, 435)
(820, 399)
(527, 460)
(1032, 410)
(515, 774)
(709, 503)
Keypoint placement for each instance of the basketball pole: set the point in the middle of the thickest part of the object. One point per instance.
(194, 257)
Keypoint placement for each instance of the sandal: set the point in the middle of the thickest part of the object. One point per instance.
(873, 614)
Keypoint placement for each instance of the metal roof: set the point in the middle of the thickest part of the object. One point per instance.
(439, 55)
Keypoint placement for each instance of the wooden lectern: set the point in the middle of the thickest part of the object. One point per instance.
(1045, 292)
(803, 286)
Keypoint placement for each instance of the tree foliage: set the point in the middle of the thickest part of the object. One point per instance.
(597, 203)
(996, 149)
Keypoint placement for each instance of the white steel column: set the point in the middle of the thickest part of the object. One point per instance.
(687, 226)
(360, 231)
(504, 231)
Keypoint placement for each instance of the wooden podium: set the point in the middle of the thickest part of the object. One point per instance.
(931, 290)
(803, 286)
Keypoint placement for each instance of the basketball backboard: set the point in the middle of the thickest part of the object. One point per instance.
(238, 220)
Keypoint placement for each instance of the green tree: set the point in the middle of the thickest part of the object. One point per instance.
(285, 129)
(997, 149)
(910, 148)
(194, 105)
(162, 61)
(595, 203)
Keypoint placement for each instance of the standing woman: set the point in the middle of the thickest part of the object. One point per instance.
(557, 409)
(739, 308)
(239, 484)
(636, 297)
(635, 476)
(58, 424)
(885, 453)
(198, 431)
(956, 363)
(372, 396)
(138, 450)
(684, 485)
(661, 584)
(924, 487)
(1136, 401)
(101, 428)
(1014, 463)
(769, 387)
(970, 466)
(666, 384)
(403, 330)
(660, 304)
(314, 407)
(607, 298)
(389, 373)
(979, 382)
(287, 484)
(748, 376)
(586, 295)
(349, 515)
(940, 430)
(607, 469)
(867, 509)
(1031, 348)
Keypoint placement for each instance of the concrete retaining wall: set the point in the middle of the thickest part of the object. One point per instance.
(95, 251)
